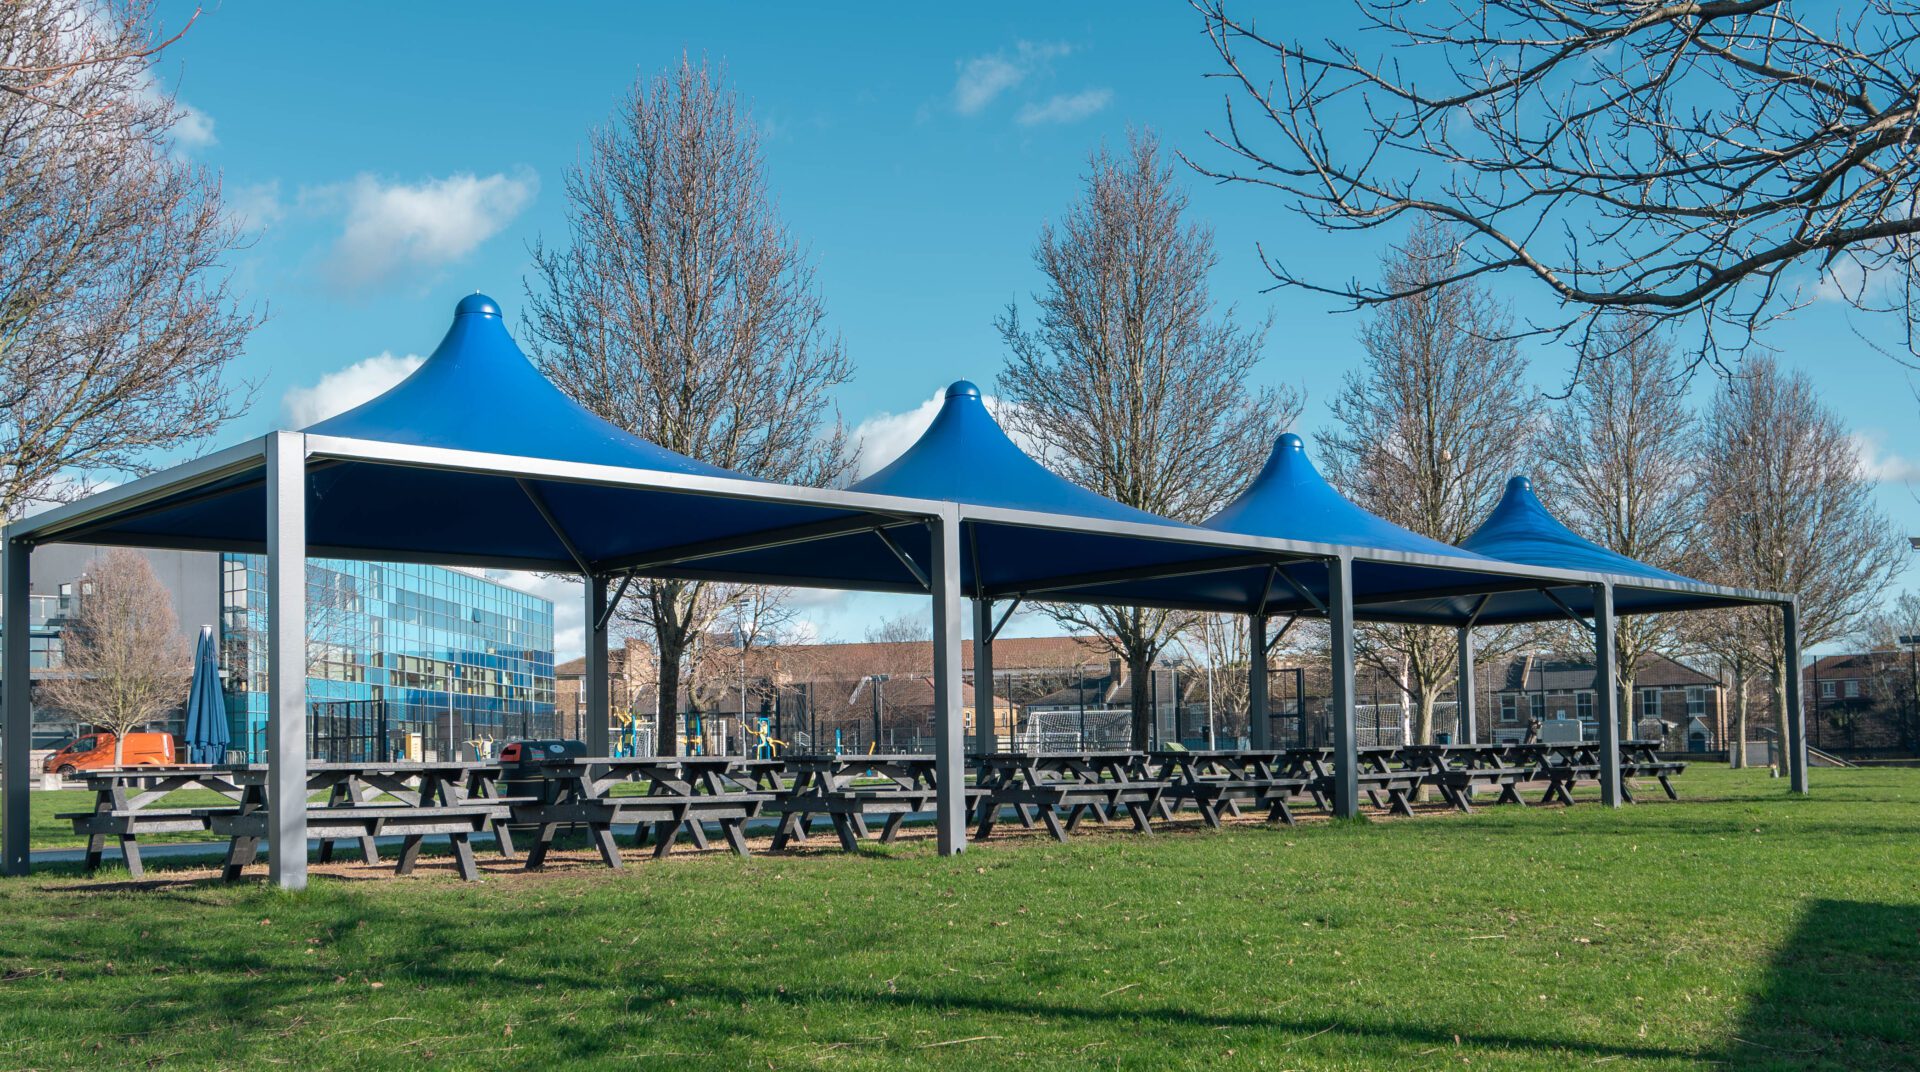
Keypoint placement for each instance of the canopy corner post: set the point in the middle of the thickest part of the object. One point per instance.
(287, 658)
(1259, 722)
(17, 703)
(1464, 690)
(1346, 727)
(597, 690)
(1796, 713)
(1606, 694)
(949, 721)
(985, 738)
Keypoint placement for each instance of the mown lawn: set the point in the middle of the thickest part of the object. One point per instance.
(1739, 928)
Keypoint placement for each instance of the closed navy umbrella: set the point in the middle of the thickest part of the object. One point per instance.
(207, 735)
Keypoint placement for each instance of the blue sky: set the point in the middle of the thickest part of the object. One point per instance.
(399, 156)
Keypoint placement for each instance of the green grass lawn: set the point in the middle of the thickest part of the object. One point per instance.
(1739, 928)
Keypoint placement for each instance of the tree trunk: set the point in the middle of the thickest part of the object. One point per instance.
(1625, 713)
(666, 732)
(1780, 716)
(1738, 759)
(1138, 666)
(119, 749)
(1423, 731)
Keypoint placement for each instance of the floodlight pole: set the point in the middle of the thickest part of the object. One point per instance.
(984, 738)
(16, 702)
(1463, 690)
(1796, 714)
(1346, 729)
(1259, 722)
(286, 492)
(1606, 685)
(596, 689)
(949, 720)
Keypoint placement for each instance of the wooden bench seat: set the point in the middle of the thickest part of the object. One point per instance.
(364, 822)
(848, 809)
(1211, 795)
(1078, 799)
(1458, 783)
(665, 814)
(126, 825)
(1398, 785)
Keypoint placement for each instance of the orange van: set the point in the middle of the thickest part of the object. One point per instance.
(95, 752)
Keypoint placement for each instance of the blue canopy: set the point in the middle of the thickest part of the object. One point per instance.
(479, 392)
(965, 456)
(1026, 530)
(207, 735)
(1521, 530)
(1291, 500)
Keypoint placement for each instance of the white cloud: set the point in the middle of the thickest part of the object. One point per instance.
(1877, 463)
(193, 129)
(982, 79)
(255, 207)
(338, 392)
(885, 436)
(1064, 107)
(391, 226)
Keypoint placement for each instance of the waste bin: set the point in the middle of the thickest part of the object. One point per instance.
(520, 762)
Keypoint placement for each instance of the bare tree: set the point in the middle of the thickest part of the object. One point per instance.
(1218, 643)
(1786, 508)
(1131, 380)
(116, 315)
(1620, 471)
(1427, 431)
(1680, 159)
(126, 664)
(682, 310)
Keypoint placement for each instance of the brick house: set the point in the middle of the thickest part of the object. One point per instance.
(1863, 702)
(1684, 706)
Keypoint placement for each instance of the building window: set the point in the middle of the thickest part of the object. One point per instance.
(1649, 703)
(1539, 706)
(1853, 688)
(1826, 690)
(1509, 710)
(1583, 706)
(1696, 702)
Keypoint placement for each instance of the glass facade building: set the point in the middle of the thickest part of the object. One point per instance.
(403, 661)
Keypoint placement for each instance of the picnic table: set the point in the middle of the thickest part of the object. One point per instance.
(125, 805)
(1380, 771)
(412, 800)
(683, 793)
(1641, 759)
(1214, 779)
(850, 789)
(1081, 783)
(1457, 770)
(1562, 766)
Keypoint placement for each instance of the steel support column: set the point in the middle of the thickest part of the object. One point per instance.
(287, 659)
(16, 701)
(1346, 727)
(1606, 696)
(1259, 718)
(984, 737)
(1796, 713)
(949, 722)
(596, 689)
(1464, 693)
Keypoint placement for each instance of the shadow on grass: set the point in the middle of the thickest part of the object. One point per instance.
(1843, 992)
